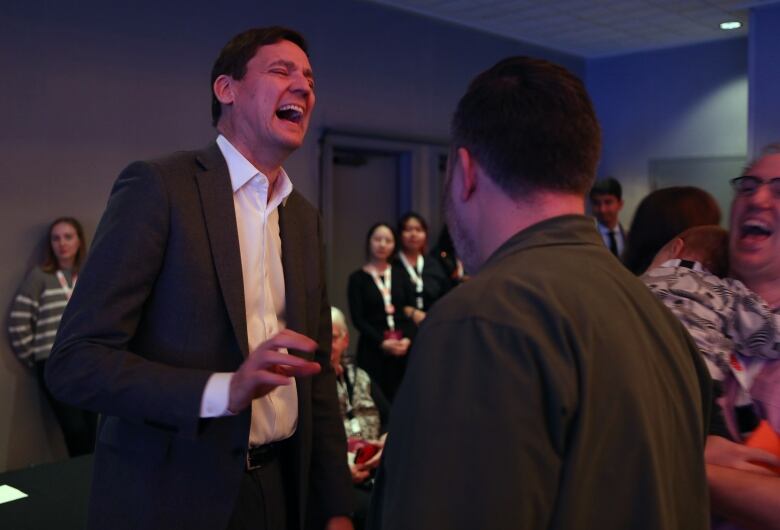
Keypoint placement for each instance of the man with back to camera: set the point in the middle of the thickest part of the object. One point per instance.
(190, 328)
(554, 391)
(606, 201)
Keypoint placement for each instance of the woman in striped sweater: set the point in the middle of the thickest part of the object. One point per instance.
(35, 316)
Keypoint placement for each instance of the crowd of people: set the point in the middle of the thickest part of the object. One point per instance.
(558, 371)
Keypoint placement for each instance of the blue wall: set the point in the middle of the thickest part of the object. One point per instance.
(764, 77)
(682, 102)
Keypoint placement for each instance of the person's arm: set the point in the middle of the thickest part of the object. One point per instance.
(357, 309)
(92, 365)
(745, 498)
(330, 479)
(24, 316)
(741, 489)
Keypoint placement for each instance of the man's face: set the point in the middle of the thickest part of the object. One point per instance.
(454, 214)
(754, 238)
(606, 208)
(272, 104)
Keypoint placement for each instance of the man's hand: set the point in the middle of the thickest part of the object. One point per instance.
(371, 463)
(722, 452)
(267, 368)
(359, 473)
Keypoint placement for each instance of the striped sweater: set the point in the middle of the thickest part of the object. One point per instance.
(35, 315)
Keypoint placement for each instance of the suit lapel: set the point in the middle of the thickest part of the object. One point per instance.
(292, 263)
(216, 196)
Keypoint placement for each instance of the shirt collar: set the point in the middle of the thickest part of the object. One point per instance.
(688, 264)
(604, 230)
(242, 171)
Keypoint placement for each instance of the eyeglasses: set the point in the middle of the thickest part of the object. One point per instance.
(748, 185)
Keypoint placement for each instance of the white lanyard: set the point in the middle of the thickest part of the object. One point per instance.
(415, 275)
(67, 289)
(385, 289)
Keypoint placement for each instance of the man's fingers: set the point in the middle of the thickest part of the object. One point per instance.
(269, 378)
(759, 456)
(309, 368)
(755, 468)
(263, 359)
(288, 339)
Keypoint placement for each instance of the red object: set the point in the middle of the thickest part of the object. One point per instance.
(767, 439)
(394, 334)
(366, 453)
(735, 364)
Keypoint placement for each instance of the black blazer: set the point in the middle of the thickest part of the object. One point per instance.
(159, 307)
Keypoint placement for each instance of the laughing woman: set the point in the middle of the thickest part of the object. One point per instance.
(374, 293)
(35, 316)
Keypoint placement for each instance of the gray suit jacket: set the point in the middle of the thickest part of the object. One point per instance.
(158, 308)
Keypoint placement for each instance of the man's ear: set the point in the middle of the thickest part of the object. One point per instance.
(470, 170)
(224, 89)
(676, 247)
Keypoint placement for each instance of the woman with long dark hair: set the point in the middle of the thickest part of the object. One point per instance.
(377, 292)
(426, 275)
(662, 215)
(35, 316)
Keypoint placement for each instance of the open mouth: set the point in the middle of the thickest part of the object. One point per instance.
(293, 113)
(754, 231)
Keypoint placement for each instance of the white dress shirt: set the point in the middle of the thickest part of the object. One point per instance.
(275, 415)
(604, 231)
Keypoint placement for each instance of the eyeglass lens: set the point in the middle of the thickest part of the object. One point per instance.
(749, 184)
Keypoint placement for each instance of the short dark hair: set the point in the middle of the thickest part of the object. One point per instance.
(239, 51)
(607, 186)
(531, 124)
(50, 262)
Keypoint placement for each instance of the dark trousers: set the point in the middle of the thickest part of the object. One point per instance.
(79, 427)
(261, 502)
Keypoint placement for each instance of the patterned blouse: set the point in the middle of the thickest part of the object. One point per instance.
(358, 410)
(733, 327)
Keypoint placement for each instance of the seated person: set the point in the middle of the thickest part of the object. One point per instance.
(365, 412)
(736, 331)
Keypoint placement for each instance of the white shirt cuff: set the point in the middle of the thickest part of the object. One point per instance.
(216, 396)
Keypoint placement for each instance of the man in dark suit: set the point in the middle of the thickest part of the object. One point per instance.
(606, 201)
(191, 328)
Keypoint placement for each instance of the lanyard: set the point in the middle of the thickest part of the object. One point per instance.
(67, 289)
(385, 288)
(415, 275)
(345, 382)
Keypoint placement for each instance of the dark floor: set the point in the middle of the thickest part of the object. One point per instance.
(57, 496)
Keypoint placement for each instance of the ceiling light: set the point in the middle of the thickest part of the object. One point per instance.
(730, 25)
